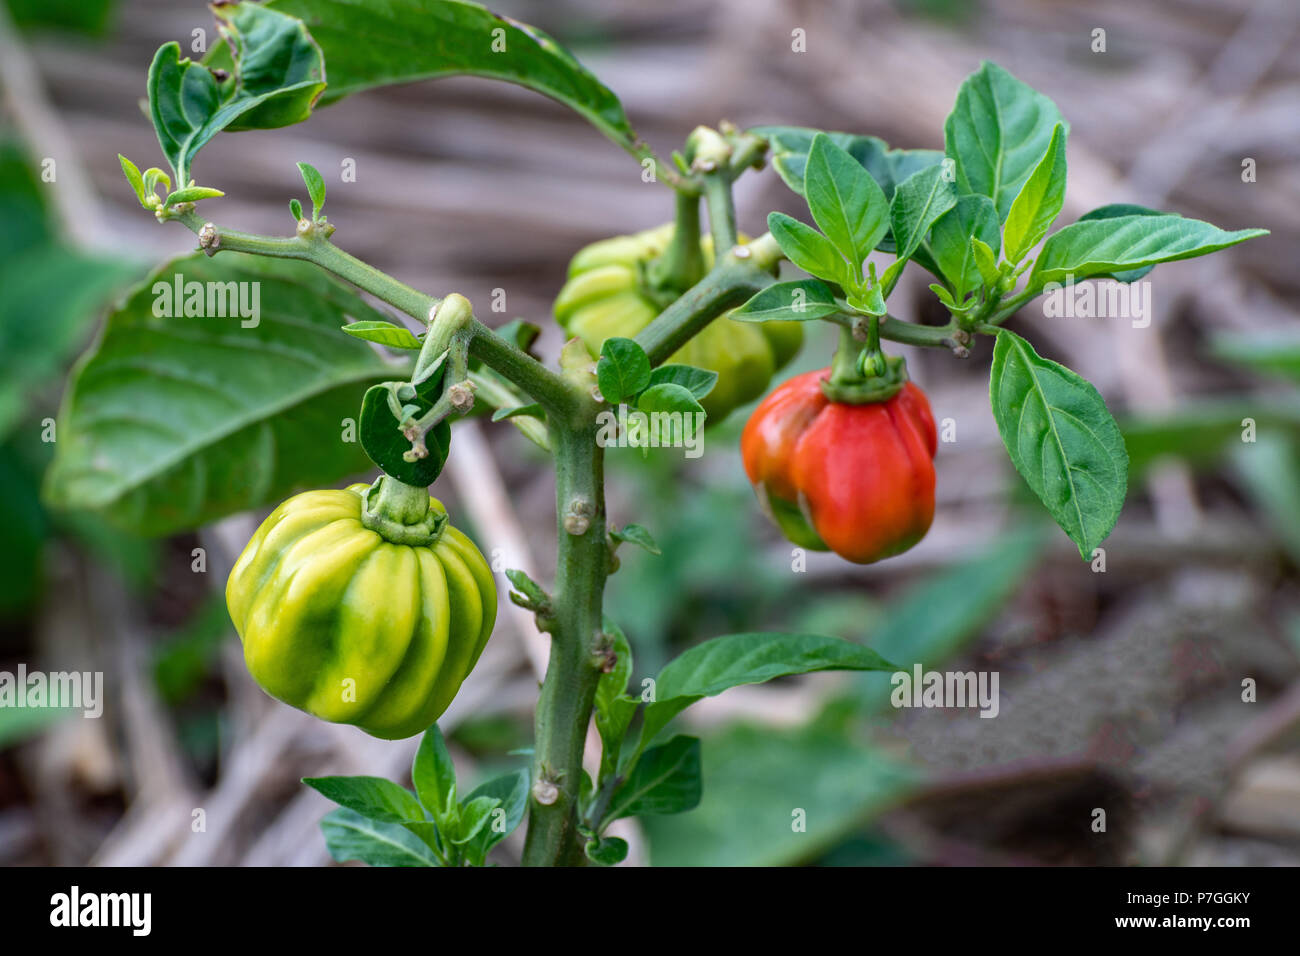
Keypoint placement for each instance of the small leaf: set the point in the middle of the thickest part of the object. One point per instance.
(372, 797)
(666, 780)
(350, 836)
(614, 709)
(315, 184)
(384, 333)
(474, 816)
(918, 202)
(1061, 438)
(132, 174)
(510, 790)
(846, 203)
(434, 775)
(192, 194)
(384, 444)
(698, 381)
(606, 851)
(295, 207)
(973, 217)
(635, 534)
(986, 261)
(812, 252)
(623, 369)
(529, 588)
(1039, 203)
(799, 300)
(669, 398)
(532, 410)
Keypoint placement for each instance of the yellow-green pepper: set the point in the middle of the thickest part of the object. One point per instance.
(603, 297)
(358, 618)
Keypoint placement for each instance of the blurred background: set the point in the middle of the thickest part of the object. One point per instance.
(1121, 689)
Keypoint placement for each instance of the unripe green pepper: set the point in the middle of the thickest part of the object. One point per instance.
(604, 297)
(360, 612)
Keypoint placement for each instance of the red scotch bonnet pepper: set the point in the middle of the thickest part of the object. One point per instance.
(856, 479)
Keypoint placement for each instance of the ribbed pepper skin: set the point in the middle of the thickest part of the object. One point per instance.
(603, 298)
(354, 629)
(854, 479)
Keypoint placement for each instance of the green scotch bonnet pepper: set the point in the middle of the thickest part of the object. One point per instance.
(604, 297)
(362, 606)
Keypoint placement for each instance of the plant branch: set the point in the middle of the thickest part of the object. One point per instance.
(734, 280)
(537, 381)
(564, 707)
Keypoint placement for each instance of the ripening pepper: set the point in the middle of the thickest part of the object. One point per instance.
(856, 479)
(362, 606)
(604, 297)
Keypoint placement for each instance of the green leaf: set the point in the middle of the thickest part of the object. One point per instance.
(192, 194)
(385, 444)
(888, 167)
(845, 202)
(918, 202)
(368, 45)
(623, 370)
(798, 300)
(511, 793)
(434, 775)
(295, 207)
(531, 410)
(606, 851)
(350, 836)
(614, 709)
(635, 534)
(132, 174)
(998, 131)
(315, 184)
(474, 815)
(384, 333)
(986, 260)
(750, 658)
(950, 243)
(373, 797)
(169, 423)
(1095, 247)
(529, 589)
(1061, 438)
(753, 658)
(754, 781)
(669, 398)
(698, 381)
(1039, 202)
(52, 297)
(1115, 211)
(809, 250)
(277, 78)
(666, 780)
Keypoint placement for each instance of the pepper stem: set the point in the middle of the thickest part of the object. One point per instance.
(854, 381)
(401, 513)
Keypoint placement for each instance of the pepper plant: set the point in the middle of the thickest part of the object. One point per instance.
(364, 605)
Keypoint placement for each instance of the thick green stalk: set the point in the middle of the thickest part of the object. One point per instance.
(730, 284)
(722, 211)
(564, 707)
